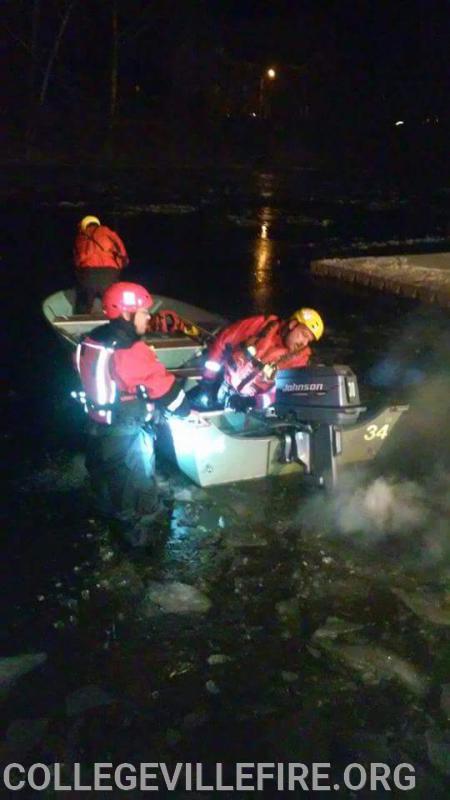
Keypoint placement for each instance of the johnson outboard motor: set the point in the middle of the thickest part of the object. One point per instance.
(316, 404)
(328, 395)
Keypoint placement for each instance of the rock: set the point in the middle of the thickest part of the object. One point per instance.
(218, 658)
(430, 606)
(174, 597)
(374, 664)
(438, 748)
(334, 627)
(13, 667)
(24, 734)
(84, 699)
(212, 687)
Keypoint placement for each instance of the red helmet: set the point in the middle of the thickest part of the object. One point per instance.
(124, 296)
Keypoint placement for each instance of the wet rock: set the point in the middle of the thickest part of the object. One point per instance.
(24, 734)
(374, 664)
(335, 627)
(84, 699)
(429, 606)
(438, 749)
(181, 669)
(218, 658)
(13, 667)
(174, 597)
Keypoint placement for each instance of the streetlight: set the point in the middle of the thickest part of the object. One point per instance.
(268, 74)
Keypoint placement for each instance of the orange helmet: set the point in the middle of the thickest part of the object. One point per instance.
(124, 296)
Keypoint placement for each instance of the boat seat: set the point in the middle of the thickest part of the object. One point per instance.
(171, 341)
(81, 318)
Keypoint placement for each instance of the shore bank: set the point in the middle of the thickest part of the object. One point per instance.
(424, 277)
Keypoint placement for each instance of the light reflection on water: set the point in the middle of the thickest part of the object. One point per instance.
(263, 262)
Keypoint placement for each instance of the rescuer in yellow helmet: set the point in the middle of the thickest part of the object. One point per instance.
(246, 355)
(99, 257)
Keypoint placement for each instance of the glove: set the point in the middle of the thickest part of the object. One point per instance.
(190, 329)
(204, 395)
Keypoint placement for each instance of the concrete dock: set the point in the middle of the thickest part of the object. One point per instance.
(425, 277)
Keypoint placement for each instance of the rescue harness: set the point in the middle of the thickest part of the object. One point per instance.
(100, 396)
(249, 349)
(113, 252)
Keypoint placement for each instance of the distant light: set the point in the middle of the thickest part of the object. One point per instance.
(263, 231)
(271, 73)
(399, 122)
(253, 114)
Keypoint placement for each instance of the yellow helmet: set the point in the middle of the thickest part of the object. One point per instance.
(89, 221)
(312, 320)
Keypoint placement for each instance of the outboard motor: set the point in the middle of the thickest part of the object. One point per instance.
(329, 395)
(319, 402)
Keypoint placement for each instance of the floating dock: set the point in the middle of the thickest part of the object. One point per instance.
(425, 277)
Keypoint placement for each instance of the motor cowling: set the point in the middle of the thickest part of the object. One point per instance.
(324, 394)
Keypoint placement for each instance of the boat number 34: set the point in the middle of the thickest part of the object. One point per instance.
(376, 432)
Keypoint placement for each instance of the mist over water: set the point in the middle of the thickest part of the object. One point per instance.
(405, 493)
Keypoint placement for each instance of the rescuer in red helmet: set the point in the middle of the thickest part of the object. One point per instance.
(99, 256)
(123, 383)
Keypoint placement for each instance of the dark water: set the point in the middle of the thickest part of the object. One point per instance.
(236, 243)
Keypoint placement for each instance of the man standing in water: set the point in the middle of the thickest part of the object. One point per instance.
(99, 256)
(124, 383)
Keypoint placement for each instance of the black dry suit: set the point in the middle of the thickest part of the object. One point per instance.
(120, 456)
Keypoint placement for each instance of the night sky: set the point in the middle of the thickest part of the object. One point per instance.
(347, 60)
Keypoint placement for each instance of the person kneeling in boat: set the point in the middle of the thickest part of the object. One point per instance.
(99, 256)
(124, 384)
(243, 360)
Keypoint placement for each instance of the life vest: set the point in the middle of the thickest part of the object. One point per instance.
(250, 367)
(100, 248)
(100, 396)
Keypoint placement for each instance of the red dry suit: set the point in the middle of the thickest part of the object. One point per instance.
(118, 371)
(99, 246)
(245, 348)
